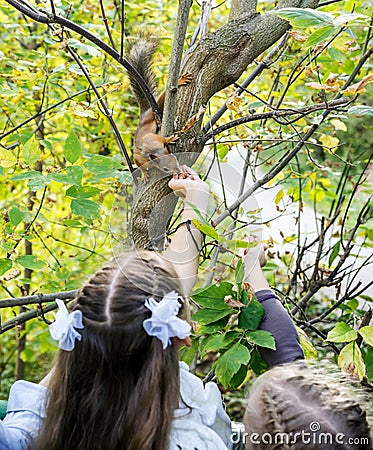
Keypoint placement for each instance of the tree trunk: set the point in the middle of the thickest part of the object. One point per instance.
(215, 62)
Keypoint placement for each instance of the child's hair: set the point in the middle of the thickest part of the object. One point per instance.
(300, 408)
(118, 388)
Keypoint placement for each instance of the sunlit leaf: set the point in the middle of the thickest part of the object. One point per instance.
(7, 158)
(351, 360)
(15, 216)
(304, 17)
(86, 208)
(362, 110)
(367, 334)
(78, 45)
(5, 265)
(73, 149)
(30, 262)
(319, 35)
(31, 151)
(341, 333)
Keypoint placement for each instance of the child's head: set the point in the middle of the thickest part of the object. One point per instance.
(292, 406)
(118, 387)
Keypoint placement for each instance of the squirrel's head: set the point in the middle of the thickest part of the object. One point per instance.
(166, 163)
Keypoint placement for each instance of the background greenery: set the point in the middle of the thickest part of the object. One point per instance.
(61, 171)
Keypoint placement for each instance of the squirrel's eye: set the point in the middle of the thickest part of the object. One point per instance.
(152, 156)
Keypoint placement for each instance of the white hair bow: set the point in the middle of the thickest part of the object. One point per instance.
(63, 328)
(164, 323)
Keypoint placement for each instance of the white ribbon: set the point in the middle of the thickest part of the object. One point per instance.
(164, 323)
(63, 328)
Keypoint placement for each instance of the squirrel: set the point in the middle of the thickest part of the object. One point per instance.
(150, 149)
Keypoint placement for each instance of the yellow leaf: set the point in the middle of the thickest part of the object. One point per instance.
(351, 360)
(322, 87)
(359, 87)
(329, 142)
(7, 158)
(82, 111)
(317, 195)
(279, 196)
(233, 102)
(309, 350)
(338, 124)
(332, 79)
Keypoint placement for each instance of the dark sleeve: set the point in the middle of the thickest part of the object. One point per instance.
(277, 321)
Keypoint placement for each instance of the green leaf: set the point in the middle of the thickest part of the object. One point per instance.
(239, 377)
(102, 166)
(257, 363)
(230, 363)
(237, 243)
(31, 174)
(319, 35)
(86, 208)
(219, 342)
(368, 359)
(208, 230)
(15, 216)
(213, 296)
(350, 359)
(239, 272)
(343, 19)
(251, 316)
(187, 354)
(7, 158)
(73, 175)
(206, 316)
(341, 333)
(304, 17)
(30, 262)
(213, 327)
(31, 151)
(361, 110)
(309, 350)
(82, 191)
(78, 45)
(73, 149)
(334, 252)
(367, 334)
(262, 338)
(5, 265)
(37, 183)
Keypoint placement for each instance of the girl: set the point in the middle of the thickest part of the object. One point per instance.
(117, 383)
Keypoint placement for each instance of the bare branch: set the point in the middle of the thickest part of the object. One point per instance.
(28, 11)
(37, 299)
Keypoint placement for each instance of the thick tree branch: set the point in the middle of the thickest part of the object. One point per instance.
(174, 68)
(37, 299)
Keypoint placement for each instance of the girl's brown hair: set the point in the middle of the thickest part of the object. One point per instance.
(303, 408)
(118, 388)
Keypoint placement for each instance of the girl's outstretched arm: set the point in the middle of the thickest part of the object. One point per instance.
(185, 245)
(276, 319)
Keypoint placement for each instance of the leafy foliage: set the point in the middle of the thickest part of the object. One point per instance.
(61, 171)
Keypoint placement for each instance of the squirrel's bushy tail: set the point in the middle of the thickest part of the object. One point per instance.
(140, 54)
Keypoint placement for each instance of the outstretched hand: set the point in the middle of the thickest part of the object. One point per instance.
(188, 184)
